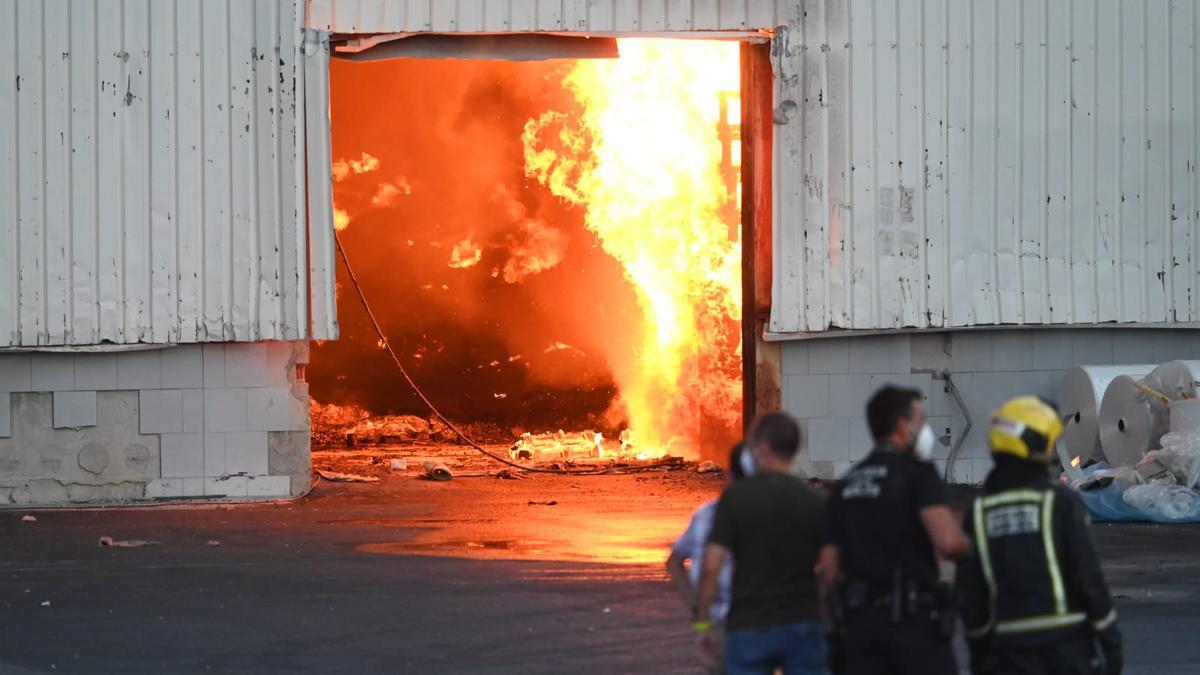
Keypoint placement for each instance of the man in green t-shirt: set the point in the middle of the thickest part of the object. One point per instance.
(771, 523)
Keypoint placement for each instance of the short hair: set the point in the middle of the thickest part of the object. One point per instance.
(887, 407)
(779, 432)
(735, 460)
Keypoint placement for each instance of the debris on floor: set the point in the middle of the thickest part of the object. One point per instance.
(337, 477)
(213, 542)
(126, 543)
(552, 502)
(435, 470)
(398, 464)
(28, 519)
(707, 466)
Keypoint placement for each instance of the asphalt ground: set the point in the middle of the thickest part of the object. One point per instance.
(476, 575)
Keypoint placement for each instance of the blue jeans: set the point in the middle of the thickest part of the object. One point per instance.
(794, 648)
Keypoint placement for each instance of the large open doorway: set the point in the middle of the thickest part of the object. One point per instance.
(555, 248)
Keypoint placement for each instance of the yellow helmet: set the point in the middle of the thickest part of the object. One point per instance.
(1026, 428)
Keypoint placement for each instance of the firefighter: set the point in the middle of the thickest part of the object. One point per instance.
(887, 522)
(1033, 597)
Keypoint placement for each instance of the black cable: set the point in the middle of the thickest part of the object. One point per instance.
(412, 384)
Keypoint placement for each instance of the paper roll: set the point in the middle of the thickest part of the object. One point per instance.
(1171, 381)
(1079, 400)
(1185, 416)
(1126, 423)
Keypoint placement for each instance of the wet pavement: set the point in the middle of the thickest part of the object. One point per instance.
(481, 575)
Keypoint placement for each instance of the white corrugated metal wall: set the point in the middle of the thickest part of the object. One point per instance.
(975, 162)
(572, 16)
(946, 162)
(151, 175)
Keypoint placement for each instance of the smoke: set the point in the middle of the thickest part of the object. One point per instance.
(472, 268)
(343, 168)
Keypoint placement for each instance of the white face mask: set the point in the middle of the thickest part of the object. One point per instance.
(923, 446)
(746, 460)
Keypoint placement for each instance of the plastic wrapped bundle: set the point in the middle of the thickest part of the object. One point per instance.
(1164, 503)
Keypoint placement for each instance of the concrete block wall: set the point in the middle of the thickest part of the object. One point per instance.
(827, 381)
(218, 421)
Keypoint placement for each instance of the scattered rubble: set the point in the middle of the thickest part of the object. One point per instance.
(126, 543)
(345, 477)
(707, 467)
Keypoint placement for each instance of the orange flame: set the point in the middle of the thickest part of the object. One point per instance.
(645, 162)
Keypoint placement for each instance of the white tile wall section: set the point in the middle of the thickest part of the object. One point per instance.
(269, 409)
(806, 396)
(209, 410)
(225, 409)
(182, 368)
(279, 364)
(794, 361)
(881, 380)
(246, 364)
(1052, 348)
(987, 366)
(828, 439)
(96, 371)
(164, 488)
(53, 372)
(16, 372)
(160, 411)
(1091, 347)
(267, 486)
(74, 409)
(214, 365)
(971, 351)
(880, 354)
(214, 455)
(193, 410)
(5, 414)
(246, 453)
(1012, 350)
(193, 486)
(848, 393)
(182, 455)
(829, 355)
(226, 486)
(139, 370)
(861, 442)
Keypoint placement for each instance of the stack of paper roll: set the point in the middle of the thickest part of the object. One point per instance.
(1134, 414)
(1172, 381)
(1079, 400)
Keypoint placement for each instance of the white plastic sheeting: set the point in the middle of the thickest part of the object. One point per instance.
(978, 162)
(151, 172)
(566, 16)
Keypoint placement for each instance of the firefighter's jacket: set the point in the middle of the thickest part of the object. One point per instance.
(1035, 577)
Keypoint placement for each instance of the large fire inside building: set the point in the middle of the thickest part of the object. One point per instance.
(551, 247)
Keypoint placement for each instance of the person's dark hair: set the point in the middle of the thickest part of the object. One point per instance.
(887, 407)
(735, 460)
(779, 432)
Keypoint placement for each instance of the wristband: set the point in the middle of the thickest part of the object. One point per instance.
(702, 626)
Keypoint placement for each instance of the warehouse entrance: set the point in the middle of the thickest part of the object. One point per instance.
(553, 248)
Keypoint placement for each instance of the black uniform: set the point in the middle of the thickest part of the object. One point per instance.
(894, 610)
(1034, 596)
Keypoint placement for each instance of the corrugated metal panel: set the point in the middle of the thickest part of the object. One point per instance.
(572, 16)
(319, 159)
(150, 189)
(977, 162)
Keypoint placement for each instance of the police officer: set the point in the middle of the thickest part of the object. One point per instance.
(887, 521)
(1033, 597)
